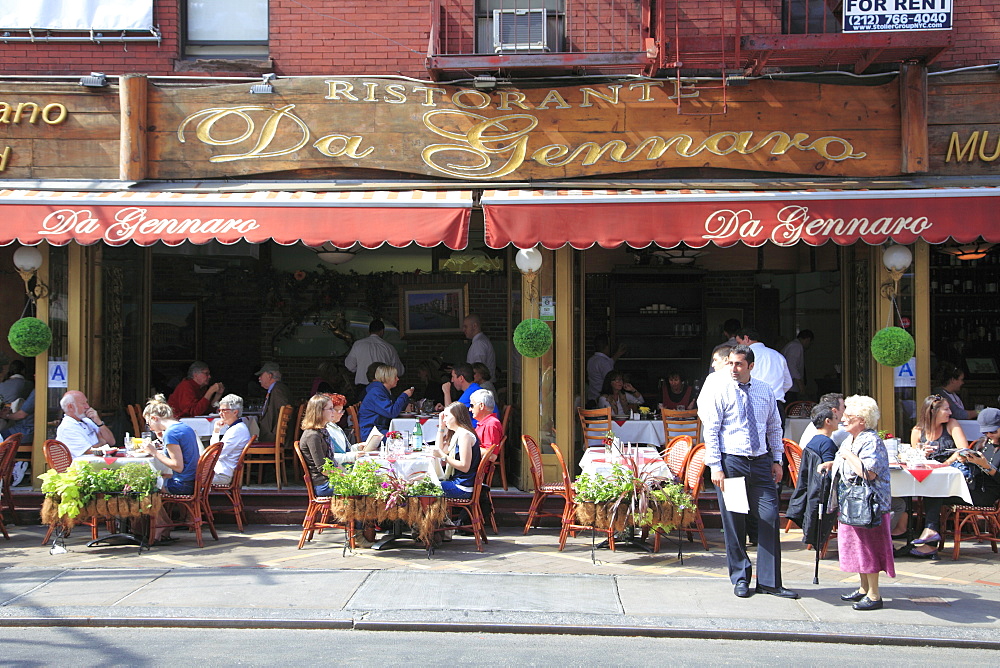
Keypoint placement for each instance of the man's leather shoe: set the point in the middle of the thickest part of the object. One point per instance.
(854, 596)
(780, 592)
(742, 589)
(868, 604)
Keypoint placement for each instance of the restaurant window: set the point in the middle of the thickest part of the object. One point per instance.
(520, 26)
(226, 28)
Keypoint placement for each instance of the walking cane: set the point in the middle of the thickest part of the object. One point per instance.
(819, 523)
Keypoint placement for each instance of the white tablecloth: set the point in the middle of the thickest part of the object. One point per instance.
(794, 428)
(639, 431)
(429, 425)
(942, 482)
(204, 424)
(98, 462)
(408, 465)
(649, 458)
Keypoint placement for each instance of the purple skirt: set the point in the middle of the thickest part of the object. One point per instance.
(866, 550)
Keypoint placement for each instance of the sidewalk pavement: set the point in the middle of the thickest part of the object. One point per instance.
(519, 584)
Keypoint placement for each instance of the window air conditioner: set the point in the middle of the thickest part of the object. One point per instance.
(519, 30)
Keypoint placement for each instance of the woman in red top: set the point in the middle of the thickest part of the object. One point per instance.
(677, 394)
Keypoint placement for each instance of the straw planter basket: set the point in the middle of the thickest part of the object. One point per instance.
(424, 513)
(105, 505)
(602, 515)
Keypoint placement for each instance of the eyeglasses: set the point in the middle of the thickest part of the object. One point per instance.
(227, 410)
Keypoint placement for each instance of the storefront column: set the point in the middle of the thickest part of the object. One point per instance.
(565, 404)
(922, 317)
(883, 314)
(39, 435)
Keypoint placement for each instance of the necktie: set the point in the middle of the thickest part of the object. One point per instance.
(751, 418)
(267, 397)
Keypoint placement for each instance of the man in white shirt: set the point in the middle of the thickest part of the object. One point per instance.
(794, 353)
(836, 402)
(368, 351)
(600, 364)
(769, 366)
(481, 349)
(81, 428)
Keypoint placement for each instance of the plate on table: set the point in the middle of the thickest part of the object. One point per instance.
(407, 415)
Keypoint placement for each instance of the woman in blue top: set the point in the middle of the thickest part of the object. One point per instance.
(180, 446)
(180, 453)
(458, 445)
(378, 406)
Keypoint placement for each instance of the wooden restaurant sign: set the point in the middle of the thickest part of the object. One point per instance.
(522, 134)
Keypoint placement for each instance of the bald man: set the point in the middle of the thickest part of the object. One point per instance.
(81, 428)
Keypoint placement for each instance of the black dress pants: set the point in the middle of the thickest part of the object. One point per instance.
(762, 493)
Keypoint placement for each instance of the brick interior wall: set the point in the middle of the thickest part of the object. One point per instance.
(237, 327)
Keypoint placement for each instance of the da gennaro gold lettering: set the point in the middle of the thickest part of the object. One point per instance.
(975, 146)
(53, 113)
(262, 131)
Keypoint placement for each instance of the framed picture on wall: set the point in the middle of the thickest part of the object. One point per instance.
(433, 309)
(175, 331)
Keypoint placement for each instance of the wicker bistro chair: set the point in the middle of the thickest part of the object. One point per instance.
(317, 515)
(8, 452)
(677, 454)
(694, 470)
(355, 423)
(981, 522)
(477, 524)
(58, 458)
(135, 415)
(793, 455)
(233, 490)
(290, 458)
(676, 423)
(596, 423)
(195, 505)
(8, 449)
(799, 409)
(263, 454)
(543, 490)
(569, 525)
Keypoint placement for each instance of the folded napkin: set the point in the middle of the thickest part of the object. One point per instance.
(920, 474)
(110, 460)
(621, 423)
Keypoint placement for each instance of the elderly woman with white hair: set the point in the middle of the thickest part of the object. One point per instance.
(234, 435)
(865, 551)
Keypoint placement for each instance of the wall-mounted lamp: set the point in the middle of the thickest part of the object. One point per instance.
(529, 261)
(265, 86)
(28, 260)
(896, 259)
(95, 80)
(333, 255)
(974, 251)
(680, 254)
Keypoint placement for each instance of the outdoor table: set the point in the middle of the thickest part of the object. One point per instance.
(940, 481)
(428, 424)
(597, 462)
(99, 462)
(405, 466)
(638, 431)
(204, 424)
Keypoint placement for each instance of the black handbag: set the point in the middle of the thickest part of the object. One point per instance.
(859, 504)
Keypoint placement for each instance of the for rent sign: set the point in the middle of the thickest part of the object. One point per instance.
(894, 15)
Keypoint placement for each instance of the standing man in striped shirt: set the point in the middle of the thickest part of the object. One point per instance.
(742, 431)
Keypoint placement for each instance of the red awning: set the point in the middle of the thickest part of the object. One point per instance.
(341, 218)
(582, 218)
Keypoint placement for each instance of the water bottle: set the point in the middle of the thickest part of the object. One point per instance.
(418, 437)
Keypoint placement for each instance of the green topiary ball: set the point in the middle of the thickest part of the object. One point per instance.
(892, 346)
(29, 337)
(532, 337)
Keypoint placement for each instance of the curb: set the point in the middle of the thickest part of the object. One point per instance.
(522, 629)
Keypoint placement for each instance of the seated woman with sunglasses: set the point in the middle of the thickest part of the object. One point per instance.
(936, 431)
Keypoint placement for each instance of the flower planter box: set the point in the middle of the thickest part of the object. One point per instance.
(607, 516)
(123, 506)
(425, 513)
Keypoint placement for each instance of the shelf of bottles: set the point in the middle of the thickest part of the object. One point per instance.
(965, 304)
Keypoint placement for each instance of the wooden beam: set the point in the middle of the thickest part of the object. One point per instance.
(913, 118)
(867, 58)
(132, 146)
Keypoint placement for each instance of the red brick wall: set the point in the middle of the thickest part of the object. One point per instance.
(390, 37)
